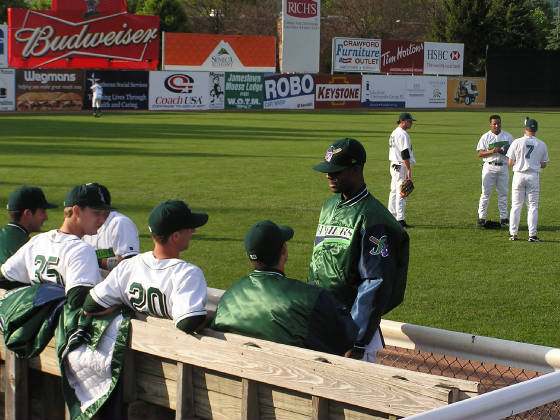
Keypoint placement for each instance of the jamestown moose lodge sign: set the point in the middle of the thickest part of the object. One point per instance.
(83, 34)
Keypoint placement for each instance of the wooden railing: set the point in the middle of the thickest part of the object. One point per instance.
(228, 376)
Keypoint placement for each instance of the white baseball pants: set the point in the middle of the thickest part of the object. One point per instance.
(397, 204)
(494, 176)
(524, 188)
(96, 102)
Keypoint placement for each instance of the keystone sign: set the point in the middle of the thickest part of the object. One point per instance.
(83, 34)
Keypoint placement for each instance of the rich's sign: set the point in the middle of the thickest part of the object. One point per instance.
(83, 34)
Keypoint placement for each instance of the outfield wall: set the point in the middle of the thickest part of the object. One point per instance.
(31, 90)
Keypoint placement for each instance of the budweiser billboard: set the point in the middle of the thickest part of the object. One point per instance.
(402, 57)
(83, 34)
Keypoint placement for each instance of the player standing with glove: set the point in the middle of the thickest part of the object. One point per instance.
(401, 157)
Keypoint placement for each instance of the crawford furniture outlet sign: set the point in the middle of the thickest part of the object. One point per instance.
(83, 34)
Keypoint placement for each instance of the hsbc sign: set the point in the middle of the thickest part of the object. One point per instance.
(443, 58)
(95, 33)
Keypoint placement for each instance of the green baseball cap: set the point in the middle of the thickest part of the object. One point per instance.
(264, 240)
(26, 197)
(173, 215)
(405, 116)
(342, 154)
(87, 195)
(532, 125)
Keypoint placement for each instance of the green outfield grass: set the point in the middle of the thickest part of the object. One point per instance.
(245, 167)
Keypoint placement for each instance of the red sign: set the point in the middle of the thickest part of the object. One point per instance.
(301, 8)
(402, 57)
(83, 34)
(338, 91)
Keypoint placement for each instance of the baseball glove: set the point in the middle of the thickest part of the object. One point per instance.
(406, 188)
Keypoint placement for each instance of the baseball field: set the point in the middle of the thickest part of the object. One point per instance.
(242, 167)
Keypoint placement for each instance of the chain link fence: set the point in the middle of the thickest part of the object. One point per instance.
(489, 375)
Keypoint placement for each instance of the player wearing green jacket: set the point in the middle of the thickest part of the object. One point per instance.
(268, 305)
(361, 251)
(27, 211)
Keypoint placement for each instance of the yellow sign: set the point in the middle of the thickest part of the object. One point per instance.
(466, 92)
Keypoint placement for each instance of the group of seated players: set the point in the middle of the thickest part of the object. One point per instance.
(95, 256)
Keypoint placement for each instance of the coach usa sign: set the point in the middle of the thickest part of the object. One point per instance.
(83, 34)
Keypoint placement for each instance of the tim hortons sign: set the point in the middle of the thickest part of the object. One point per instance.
(83, 34)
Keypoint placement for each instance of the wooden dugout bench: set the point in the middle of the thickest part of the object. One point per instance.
(213, 375)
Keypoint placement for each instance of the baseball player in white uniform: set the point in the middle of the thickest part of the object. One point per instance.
(60, 256)
(492, 148)
(97, 91)
(401, 158)
(116, 240)
(527, 155)
(158, 282)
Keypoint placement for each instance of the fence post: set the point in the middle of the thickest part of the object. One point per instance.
(249, 399)
(17, 387)
(319, 408)
(184, 404)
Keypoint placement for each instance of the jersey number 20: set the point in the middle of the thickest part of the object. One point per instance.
(152, 300)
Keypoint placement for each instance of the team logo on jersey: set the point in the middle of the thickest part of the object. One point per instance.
(330, 154)
(380, 246)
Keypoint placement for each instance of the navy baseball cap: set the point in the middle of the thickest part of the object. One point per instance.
(173, 215)
(342, 154)
(264, 240)
(532, 125)
(87, 195)
(26, 197)
(405, 116)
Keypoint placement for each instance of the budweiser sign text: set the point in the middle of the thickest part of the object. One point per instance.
(109, 38)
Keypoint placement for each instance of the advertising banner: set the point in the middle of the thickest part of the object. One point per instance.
(301, 26)
(49, 90)
(338, 91)
(216, 89)
(7, 90)
(176, 91)
(379, 91)
(209, 52)
(121, 89)
(244, 90)
(3, 46)
(402, 57)
(443, 58)
(466, 92)
(289, 91)
(425, 91)
(83, 34)
(356, 55)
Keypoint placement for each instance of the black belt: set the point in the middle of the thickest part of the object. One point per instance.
(396, 167)
(495, 163)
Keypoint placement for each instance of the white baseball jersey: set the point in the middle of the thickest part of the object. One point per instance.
(56, 257)
(399, 141)
(528, 152)
(97, 91)
(490, 140)
(166, 288)
(118, 236)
